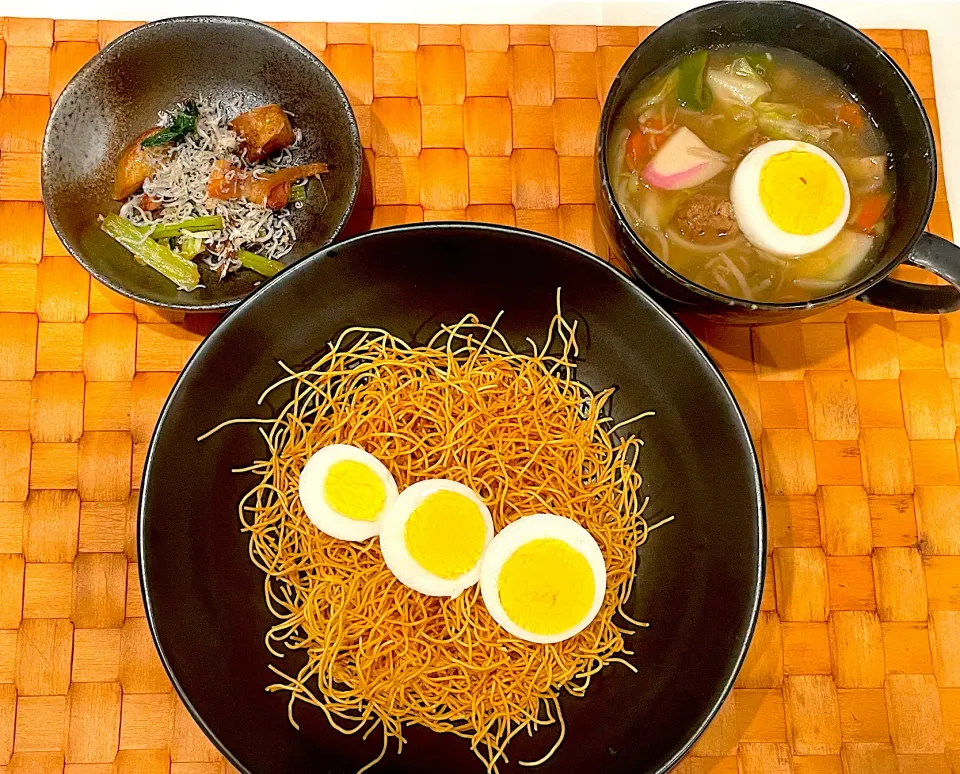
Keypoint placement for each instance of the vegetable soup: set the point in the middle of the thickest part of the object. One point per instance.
(753, 172)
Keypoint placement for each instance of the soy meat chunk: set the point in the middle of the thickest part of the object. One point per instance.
(704, 217)
(135, 165)
(263, 131)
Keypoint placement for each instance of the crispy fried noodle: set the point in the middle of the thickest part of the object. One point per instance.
(523, 433)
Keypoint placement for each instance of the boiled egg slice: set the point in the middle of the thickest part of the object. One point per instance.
(345, 492)
(790, 198)
(434, 536)
(543, 578)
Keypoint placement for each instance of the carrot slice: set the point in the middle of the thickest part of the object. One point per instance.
(872, 209)
(291, 174)
(636, 153)
(273, 190)
(642, 145)
(851, 115)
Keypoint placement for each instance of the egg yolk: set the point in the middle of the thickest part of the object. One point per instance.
(445, 534)
(354, 491)
(801, 192)
(546, 586)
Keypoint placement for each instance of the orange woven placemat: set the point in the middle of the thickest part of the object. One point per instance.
(855, 667)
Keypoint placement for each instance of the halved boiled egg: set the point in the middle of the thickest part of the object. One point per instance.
(543, 578)
(434, 536)
(790, 198)
(346, 491)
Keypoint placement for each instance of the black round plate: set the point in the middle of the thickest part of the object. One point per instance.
(699, 579)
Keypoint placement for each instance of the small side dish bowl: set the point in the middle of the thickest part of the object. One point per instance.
(118, 94)
(878, 85)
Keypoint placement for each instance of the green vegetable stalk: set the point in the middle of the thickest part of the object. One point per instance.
(180, 271)
(170, 230)
(258, 263)
(692, 93)
(190, 248)
(298, 193)
(183, 123)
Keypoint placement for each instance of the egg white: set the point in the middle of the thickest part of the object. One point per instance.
(393, 542)
(521, 532)
(311, 488)
(752, 217)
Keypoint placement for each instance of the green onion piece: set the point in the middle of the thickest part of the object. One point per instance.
(298, 193)
(259, 264)
(167, 230)
(692, 93)
(190, 247)
(179, 271)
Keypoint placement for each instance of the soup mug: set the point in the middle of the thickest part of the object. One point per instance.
(881, 86)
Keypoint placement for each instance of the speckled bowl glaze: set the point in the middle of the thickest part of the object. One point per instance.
(117, 95)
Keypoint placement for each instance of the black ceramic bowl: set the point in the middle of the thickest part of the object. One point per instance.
(875, 79)
(699, 580)
(117, 95)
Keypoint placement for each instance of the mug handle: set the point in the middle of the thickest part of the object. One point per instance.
(934, 254)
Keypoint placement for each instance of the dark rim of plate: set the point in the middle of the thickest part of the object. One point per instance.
(330, 252)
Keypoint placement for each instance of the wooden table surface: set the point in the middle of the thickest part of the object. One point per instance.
(855, 666)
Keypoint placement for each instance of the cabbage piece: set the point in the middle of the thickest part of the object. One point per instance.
(664, 89)
(738, 82)
(655, 208)
(762, 63)
(729, 129)
(851, 249)
(840, 260)
(782, 122)
(737, 133)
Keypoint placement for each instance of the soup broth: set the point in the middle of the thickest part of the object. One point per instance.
(794, 221)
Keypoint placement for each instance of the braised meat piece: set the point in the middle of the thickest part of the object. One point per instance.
(706, 218)
(135, 165)
(263, 131)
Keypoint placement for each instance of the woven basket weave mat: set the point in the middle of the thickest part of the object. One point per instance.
(855, 666)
